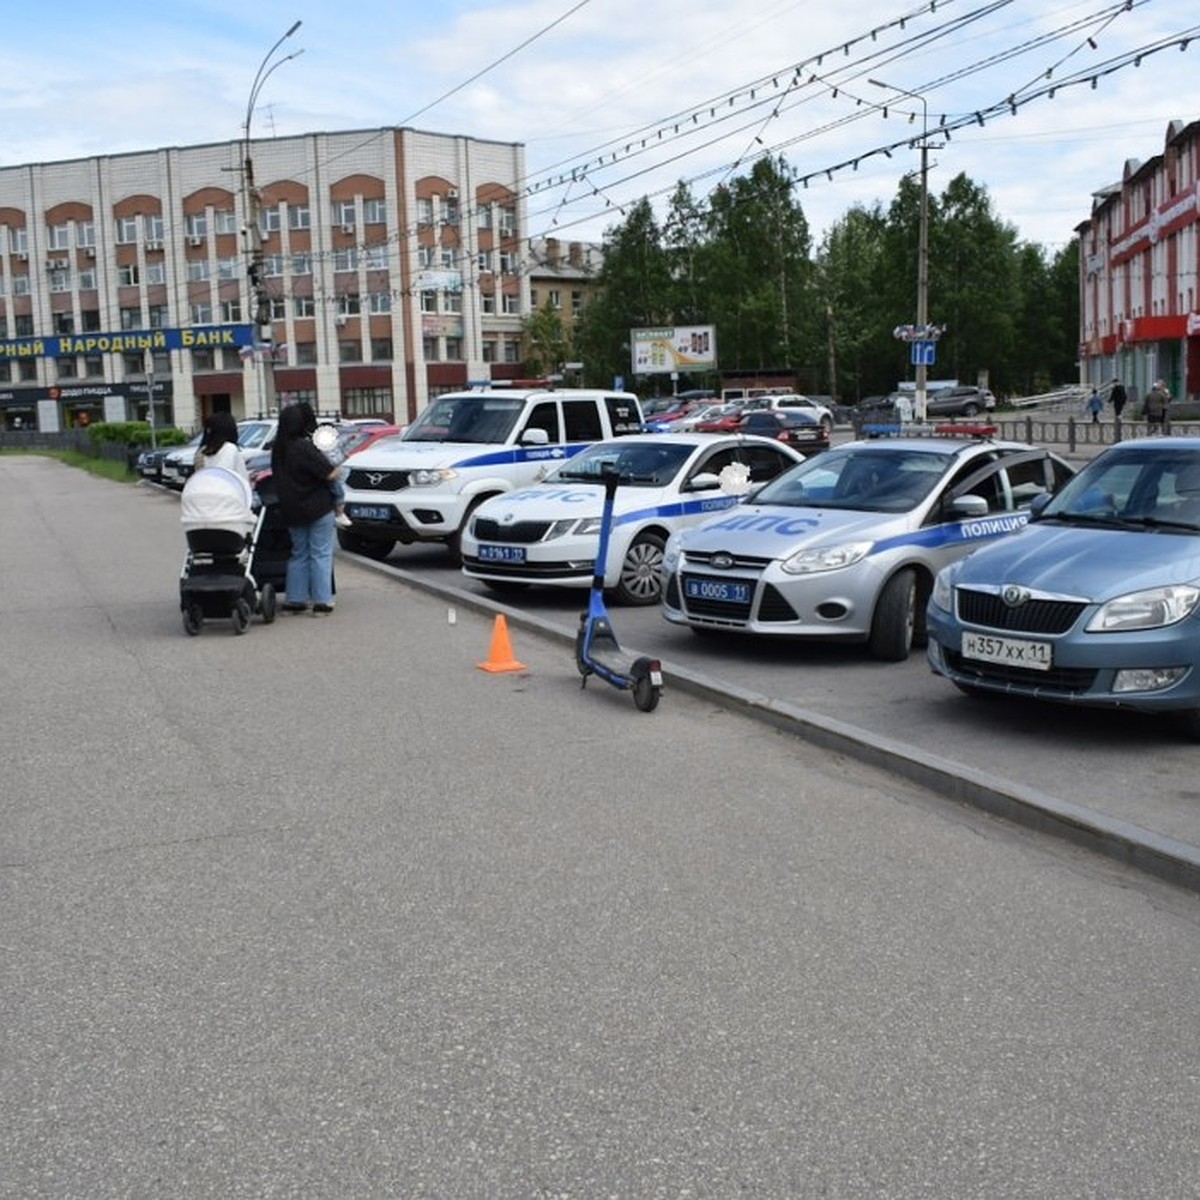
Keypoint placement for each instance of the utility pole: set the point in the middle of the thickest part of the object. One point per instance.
(260, 298)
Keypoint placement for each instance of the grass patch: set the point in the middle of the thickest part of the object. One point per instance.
(105, 468)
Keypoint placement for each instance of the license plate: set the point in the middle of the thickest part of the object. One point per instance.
(502, 554)
(1012, 652)
(723, 591)
(369, 512)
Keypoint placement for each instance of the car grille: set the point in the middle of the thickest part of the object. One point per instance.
(744, 562)
(773, 607)
(987, 610)
(1063, 680)
(520, 533)
(362, 480)
(716, 609)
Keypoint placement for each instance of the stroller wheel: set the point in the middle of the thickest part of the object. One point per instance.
(193, 618)
(266, 603)
(240, 617)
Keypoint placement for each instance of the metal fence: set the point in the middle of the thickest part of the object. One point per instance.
(67, 439)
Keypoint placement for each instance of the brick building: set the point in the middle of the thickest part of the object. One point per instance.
(1139, 295)
(392, 259)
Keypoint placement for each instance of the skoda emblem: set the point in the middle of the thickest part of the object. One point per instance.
(1013, 595)
(508, 518)
(722, 560)
(374, 478)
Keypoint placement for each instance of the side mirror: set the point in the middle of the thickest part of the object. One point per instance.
(706, 481)
(969, 506)
(535, 437)
(1038, 503)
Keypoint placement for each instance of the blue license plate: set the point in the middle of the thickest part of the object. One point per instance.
(368, 512)
(723, 591)
(502, 554)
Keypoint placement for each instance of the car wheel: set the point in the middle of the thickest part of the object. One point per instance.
(640, 581)
(375, 548)
(895, 617)
(970, 410)
(827, 424)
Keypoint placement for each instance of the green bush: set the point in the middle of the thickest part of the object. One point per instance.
(133, 433)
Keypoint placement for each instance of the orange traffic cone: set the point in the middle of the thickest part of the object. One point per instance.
(500, 658)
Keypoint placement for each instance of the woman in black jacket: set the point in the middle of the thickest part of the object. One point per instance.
(302, 475)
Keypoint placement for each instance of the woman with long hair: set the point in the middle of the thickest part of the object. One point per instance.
(302, 475)
(219, 445)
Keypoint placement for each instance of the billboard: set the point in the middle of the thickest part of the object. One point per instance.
(671, 349)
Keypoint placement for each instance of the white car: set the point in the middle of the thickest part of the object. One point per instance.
(793, 400)
(254, 437)
(549, 533)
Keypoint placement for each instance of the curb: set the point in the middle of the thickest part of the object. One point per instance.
(1165, 858)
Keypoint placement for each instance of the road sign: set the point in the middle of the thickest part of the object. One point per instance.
(924, 354)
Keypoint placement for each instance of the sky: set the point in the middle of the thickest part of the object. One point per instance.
(615, 100)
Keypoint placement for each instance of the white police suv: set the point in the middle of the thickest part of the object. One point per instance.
(846, 546)
(464, 448)
(549, 533)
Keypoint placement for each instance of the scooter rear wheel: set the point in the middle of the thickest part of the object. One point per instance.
(645, 694)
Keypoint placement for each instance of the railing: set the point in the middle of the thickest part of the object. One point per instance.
(66, 439)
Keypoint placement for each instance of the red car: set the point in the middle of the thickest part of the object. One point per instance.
(726, 421)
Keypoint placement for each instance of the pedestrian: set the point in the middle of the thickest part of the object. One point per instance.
(219, 445)
(1095, 404)
(302, 477)
(1118, 397)
(1156, 409)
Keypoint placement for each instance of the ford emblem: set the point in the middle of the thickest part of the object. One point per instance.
(1014, 596)
(722, 560)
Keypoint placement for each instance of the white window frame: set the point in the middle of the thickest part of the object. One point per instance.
(374, 212)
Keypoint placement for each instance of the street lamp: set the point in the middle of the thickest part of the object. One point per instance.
(260, 298)
(922, 244)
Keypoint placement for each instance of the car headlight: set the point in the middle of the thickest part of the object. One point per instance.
(1153, 608)
(826, 558)
(670, 559)
(431, 478)
(579, 526)
(942, 595)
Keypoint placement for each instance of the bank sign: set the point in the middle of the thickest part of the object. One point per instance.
(127, 341)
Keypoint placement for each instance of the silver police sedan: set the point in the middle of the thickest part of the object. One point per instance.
(846, 545)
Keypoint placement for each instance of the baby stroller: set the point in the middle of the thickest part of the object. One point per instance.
(222, 528)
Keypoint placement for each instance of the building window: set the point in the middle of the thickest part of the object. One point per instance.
(303, 306)
(133, 364)
(225, 221)
(345, 260)
(278, 308)
(424, 212)
(349, 305)
(60, 281)
(556, 299)
(20, 286)
(306, 353)
(453, 349)
(447, 256)
(533, 299)
(58, 237)
(231, 268)
(452, 302)
(154, 228)
(376, 258)
(159, 316)
(381, 349)
(202, 314)
(299, 216)
(344, 214)
(93, 366)
(202, 359)
(508, 262)
(366, 402)
(231, 312)
(379, 302)
(576, 304)
(197, 270)
(156, 272)
(450, 212)
(483, 262)
(272, 220)
(512, 304)
(302, 264)
(429, 347)
(429, 301)
(127, 230)
(483, 216)
(487, 303)
(91, 320)
(23, 325)
(512, 351)
(350, 352)
(68, 368)
(129, 276)
(85, 233)
(64, 323)
(18, 240)
(425, 257)
(374, 212)
(131, 318)
(508, 222)
(27, 371)
(489, 350)
(197, 226)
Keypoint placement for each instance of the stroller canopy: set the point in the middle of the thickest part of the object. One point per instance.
(214, 498)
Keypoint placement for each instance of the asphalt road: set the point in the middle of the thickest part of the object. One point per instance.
(327, 911)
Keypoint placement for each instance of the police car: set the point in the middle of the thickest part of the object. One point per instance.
(846, 546)
(549, 533)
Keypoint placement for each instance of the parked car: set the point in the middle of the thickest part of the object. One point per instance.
(1097, 601)
(549, 533)
(352, 437)
(149, 464)
(254, 437)
(795, 402)
(465, 447)
(797, 427)
(947, 402)
(725, 420)
(845, 546)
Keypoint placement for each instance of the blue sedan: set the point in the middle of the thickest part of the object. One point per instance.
(1096, 601)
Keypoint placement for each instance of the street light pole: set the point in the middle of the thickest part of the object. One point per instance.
(252, 206)
(922, 373)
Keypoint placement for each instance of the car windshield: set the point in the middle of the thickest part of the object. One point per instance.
(253, 433)
(1145, 487)
(862, 478)
(649, 463)
(482, 419)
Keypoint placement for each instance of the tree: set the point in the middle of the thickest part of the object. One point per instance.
(547, 341)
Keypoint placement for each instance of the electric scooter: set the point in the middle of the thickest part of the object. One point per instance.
(596, 649)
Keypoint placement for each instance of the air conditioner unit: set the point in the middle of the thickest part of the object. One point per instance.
(341, 320)
(154, 244)
(452, 193)
(23, 256)
(52, 264)
(195, 241)
(91, 252)
(347, 228)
